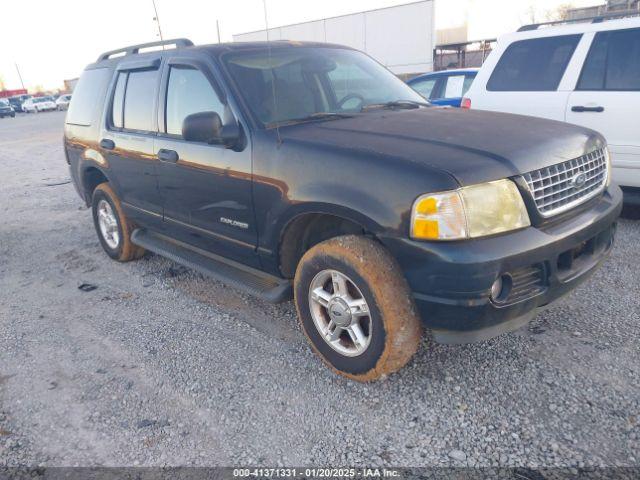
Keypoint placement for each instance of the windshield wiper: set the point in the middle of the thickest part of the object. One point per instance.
(314, 117)
(408, 104)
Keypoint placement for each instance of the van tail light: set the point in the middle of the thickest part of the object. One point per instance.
(466, 103)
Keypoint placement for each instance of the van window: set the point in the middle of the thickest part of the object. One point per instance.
(89, 91)
(613, 62)
(139, 100)
(535, 65)
(188, 92)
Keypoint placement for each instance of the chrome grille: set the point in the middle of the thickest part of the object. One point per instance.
(561, 187)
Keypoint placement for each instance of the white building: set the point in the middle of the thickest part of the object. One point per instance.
(402, 37)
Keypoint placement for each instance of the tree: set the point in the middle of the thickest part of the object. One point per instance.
(561, 12)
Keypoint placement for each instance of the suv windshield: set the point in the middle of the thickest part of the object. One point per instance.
(311, 83)
(3, 102)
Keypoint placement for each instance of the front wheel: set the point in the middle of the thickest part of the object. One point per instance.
(356, 308)
(112, 225)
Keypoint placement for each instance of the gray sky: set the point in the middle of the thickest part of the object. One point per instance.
(53, 40)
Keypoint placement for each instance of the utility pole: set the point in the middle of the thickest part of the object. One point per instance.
(218, 27)
(157, 19)
(19, 76)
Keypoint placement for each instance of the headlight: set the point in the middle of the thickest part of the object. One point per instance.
(469, 212)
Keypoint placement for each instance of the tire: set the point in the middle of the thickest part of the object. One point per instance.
(390, 328)
(122, 250)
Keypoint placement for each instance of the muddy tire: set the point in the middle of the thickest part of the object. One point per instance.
(356, 308)
(112, 225)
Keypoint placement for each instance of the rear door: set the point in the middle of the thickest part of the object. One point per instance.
(607, 99)
(206, 189)
(127, 141)
(527, 78)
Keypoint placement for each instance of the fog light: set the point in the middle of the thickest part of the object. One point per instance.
(496, 288)
(501, 288)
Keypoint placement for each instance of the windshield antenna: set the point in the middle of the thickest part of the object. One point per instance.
(273, 76)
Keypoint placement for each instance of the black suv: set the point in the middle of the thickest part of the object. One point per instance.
(6, 110)
(309, 170)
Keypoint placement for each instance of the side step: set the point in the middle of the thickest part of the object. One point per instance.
(260, 284)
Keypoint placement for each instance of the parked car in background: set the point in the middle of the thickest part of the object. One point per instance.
(6, 110)
(39, 104)
(586, 74)
(309, 171)
(446, 88)
(62, 102)
(16, 102)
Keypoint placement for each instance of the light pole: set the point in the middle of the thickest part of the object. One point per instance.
(19, 76)
(157, 19)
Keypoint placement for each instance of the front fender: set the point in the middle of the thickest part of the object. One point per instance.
(357, 206)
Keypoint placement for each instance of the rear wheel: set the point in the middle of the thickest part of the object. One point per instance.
(112, 225)
(356, 308)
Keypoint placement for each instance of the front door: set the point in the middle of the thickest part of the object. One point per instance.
(206, 189)
(607, 98)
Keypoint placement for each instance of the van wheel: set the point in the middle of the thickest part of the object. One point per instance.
(356, 308)
(113, 227)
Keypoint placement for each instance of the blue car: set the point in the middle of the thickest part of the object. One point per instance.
(445, 88)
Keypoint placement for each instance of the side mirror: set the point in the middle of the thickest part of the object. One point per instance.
(207, 127)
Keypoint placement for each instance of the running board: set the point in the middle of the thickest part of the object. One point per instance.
(260, 284)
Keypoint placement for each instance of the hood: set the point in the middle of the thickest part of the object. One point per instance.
(471, 145)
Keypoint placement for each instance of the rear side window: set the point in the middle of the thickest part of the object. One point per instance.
(535, 65)
(457, 85)
(139, 99)
(89, 91)
(613, 62)
(189, 92)
(117, 109)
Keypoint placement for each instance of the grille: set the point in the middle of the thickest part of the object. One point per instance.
(561, 187)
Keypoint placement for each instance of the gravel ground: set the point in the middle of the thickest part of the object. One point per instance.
(161, 366)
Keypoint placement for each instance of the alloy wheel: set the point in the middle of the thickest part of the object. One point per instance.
(340, 313)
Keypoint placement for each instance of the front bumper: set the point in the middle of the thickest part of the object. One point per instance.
(451, 281)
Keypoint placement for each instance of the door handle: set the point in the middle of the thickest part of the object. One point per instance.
(168, 155)
(107, 144)
(581, 109)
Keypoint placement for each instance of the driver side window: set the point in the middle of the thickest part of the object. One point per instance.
(188, 92)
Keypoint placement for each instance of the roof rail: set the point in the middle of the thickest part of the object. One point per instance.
(134, 49)
(597, 19)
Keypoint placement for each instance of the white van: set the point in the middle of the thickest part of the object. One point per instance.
(583, 73)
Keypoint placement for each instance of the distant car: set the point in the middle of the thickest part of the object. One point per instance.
(62, 102)
(6, 110)
(445, 88)
(39, 104)
(16, 102)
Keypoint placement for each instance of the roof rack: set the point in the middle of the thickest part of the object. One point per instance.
(134, 49)
(597, 19)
